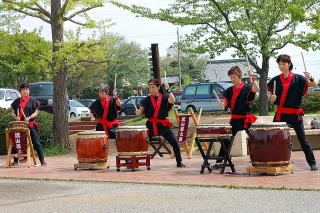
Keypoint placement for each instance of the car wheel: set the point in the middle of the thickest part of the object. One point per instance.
(123, 113)
(72, 115)
(190, 107)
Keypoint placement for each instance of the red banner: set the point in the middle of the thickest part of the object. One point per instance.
(183, 128)
(18, 142)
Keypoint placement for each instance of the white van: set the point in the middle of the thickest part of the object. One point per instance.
(7, 96)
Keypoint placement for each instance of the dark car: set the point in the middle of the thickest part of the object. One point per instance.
(43, 92)
(127, 107)
(177, 104)
(87, 102)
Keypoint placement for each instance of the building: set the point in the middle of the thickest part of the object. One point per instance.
(217, 70)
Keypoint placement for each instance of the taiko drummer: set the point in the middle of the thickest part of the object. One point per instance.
(105, 109)
(156, 107)
(238, 98)
(289, 89)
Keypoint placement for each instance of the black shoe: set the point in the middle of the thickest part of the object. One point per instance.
(181, 165)
(314, 167)
(43, 163)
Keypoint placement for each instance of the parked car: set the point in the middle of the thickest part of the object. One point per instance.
(43, 92)
(77, 109)
(7, 96)
(87, 102)
(127, 107)
(177, 104)
(200, 95)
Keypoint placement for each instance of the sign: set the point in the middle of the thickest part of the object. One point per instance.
(183, 128)
(18, 142)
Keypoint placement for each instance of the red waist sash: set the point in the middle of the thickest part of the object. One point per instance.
(249, 119)
(108, 124)
(154, 121)
(286, 110)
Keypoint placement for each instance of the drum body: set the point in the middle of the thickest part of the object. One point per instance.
(214, 129)
(19, 124)
(92, 147)
(132, 140)
(269, 145)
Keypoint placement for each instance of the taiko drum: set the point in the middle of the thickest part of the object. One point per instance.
(132, 140)
(270, 145)
(92, 147)
(214, 129)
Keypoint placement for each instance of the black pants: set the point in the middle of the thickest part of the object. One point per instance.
(35, 138)
(111, 131)
(172, 139)
(306, 148)
(227, 143)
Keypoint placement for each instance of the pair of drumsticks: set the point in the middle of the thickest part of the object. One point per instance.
(22, 113)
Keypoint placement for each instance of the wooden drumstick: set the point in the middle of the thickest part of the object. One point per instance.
(304, 64)
(274, 87)
(135, 106)
(23, 114)
(217, 97)
(18, 112)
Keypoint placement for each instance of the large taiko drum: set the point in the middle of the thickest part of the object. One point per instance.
(214, 129)
(132, 140)
(92, 147)
(269, 145)
(19, 124)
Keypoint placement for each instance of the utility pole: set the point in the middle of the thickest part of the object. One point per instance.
(179, 67)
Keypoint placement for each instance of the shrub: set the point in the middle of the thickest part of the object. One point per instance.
(311, 102)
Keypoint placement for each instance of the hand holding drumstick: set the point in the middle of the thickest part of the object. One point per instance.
(222, 105)
(273, 97)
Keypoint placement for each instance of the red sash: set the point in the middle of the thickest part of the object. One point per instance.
(105, 123)
(249, 119)
(154, 120)
(236, 92)
(280, 109)
(23, 104)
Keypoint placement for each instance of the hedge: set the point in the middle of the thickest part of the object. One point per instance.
(45, 122)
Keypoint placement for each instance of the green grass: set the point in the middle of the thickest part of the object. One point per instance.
(54, 149)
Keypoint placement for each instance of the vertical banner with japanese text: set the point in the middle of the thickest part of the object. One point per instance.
(183, 128)
(18, 142)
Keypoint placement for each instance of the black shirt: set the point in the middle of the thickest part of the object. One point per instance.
(97, 109)
(298, 88)
(31, 106)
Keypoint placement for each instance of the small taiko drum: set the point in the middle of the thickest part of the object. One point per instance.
(269, 145)
(19, 124)
(214, 129)
(92, 147)
(132, 140)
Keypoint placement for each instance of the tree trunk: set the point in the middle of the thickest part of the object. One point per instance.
(263, 97)
(60, 106)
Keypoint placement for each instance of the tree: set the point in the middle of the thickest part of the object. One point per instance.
(16, 67)
(252, 28)
(62, 58)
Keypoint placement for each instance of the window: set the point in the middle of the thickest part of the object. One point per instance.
(1, 94)
(13, 95)
(216, 88)
(190, 90)
(41, 90)
(203, 89)
(130, 101)
(8, 95)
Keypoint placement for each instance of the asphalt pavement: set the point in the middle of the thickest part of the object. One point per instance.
(75, 196)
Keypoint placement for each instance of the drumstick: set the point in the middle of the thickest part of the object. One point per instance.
(304, 64)
(18, 112)
(23, 114)
(274, 87)
(135, 106)
(115, 82)
(217, 97)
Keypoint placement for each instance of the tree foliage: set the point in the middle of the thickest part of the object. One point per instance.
(253, 28)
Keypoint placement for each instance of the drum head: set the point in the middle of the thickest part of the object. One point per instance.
(134, 128)
(93, 133)
(214, 125)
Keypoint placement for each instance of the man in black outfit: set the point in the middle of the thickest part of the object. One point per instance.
(28, 109)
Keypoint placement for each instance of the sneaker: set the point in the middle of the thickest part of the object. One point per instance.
(314, 167)
(181, 165)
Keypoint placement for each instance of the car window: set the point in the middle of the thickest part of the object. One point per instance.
(190, 90)
(41, 90)
(216, 88)
(130, 101)
(203, 89)
(225, 85)
(75, 104)
(1, 94)
(138, 100)
(8, 95)
(13, 95)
